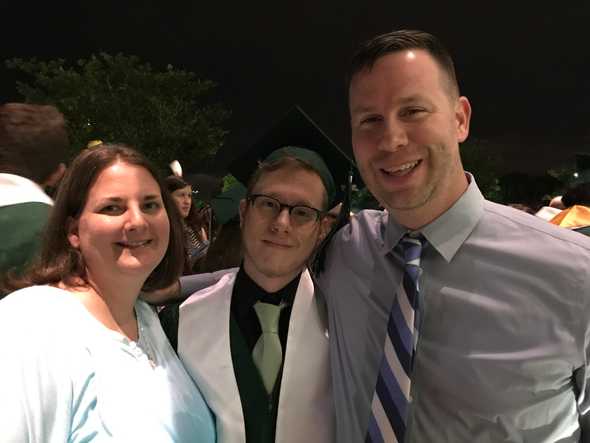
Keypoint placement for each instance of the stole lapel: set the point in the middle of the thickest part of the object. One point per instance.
(204, 348)
(305, 411)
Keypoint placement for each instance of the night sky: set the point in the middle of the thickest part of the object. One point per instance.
(524, 65)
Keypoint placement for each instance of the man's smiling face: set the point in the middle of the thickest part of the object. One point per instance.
(406, 125)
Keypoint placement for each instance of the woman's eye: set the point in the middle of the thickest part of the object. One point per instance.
(111, 209)
(152, 206)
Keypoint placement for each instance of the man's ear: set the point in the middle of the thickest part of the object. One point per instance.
(463, 116)
(72, 230)
(243, 209)
(326, 224)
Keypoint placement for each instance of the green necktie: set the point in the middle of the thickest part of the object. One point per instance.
(268, 352)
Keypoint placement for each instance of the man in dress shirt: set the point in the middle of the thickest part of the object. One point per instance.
(503, 347)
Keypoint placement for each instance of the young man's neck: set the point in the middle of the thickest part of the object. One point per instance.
(270, 284)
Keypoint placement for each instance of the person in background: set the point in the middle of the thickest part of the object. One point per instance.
(225, 251)
(82, 358)
(547, 212)
(557, 203)
(196, 241)
(576, 212)
(33, 152)
(578, 194)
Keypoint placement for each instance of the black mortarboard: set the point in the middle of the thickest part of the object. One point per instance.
(294, 131)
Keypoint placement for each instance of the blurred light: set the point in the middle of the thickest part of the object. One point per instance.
(93, 144)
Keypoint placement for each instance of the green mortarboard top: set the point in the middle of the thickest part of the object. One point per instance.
(226, 205)
(298, 136)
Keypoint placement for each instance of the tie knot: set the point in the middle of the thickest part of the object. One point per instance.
(268, 316)
(411, 245)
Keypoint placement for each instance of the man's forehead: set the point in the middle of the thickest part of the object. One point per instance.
(279, 183)
(396, 64)
(284, 175)
(402, 71)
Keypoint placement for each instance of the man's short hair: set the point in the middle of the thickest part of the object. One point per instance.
(33, 140)
(372, 50)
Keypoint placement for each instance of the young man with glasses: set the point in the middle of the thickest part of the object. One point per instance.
(256, 342)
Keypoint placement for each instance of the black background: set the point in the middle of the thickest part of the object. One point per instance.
(524, 65)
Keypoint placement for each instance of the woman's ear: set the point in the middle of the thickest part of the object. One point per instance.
(72, 230)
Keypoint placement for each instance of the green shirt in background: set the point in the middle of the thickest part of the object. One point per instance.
(21, 227)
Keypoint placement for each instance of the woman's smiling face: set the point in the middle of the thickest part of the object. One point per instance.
(123, 229)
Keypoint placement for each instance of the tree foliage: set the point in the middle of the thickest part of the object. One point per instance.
(228, 182)
(168, 114)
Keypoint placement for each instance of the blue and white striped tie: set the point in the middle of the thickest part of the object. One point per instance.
(391, 400)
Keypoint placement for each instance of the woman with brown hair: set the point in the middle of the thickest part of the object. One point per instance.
(83, 358)
(196, 242)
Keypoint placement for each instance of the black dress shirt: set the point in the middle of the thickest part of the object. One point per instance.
(246, 293)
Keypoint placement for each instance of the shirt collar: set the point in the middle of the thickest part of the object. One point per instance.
(17, 190)
(450, 230)
(247, 292)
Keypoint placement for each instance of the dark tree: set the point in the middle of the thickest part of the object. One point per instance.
(168, 114)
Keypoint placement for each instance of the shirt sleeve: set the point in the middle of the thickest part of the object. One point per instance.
(326, 277)
(582, 376)
(189, 284)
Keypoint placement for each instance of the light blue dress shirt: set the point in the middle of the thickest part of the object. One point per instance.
(64, 377)
(503, 348)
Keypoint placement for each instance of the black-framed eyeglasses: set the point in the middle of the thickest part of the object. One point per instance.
(270, 207)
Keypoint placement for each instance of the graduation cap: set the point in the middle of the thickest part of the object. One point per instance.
(297, 135)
